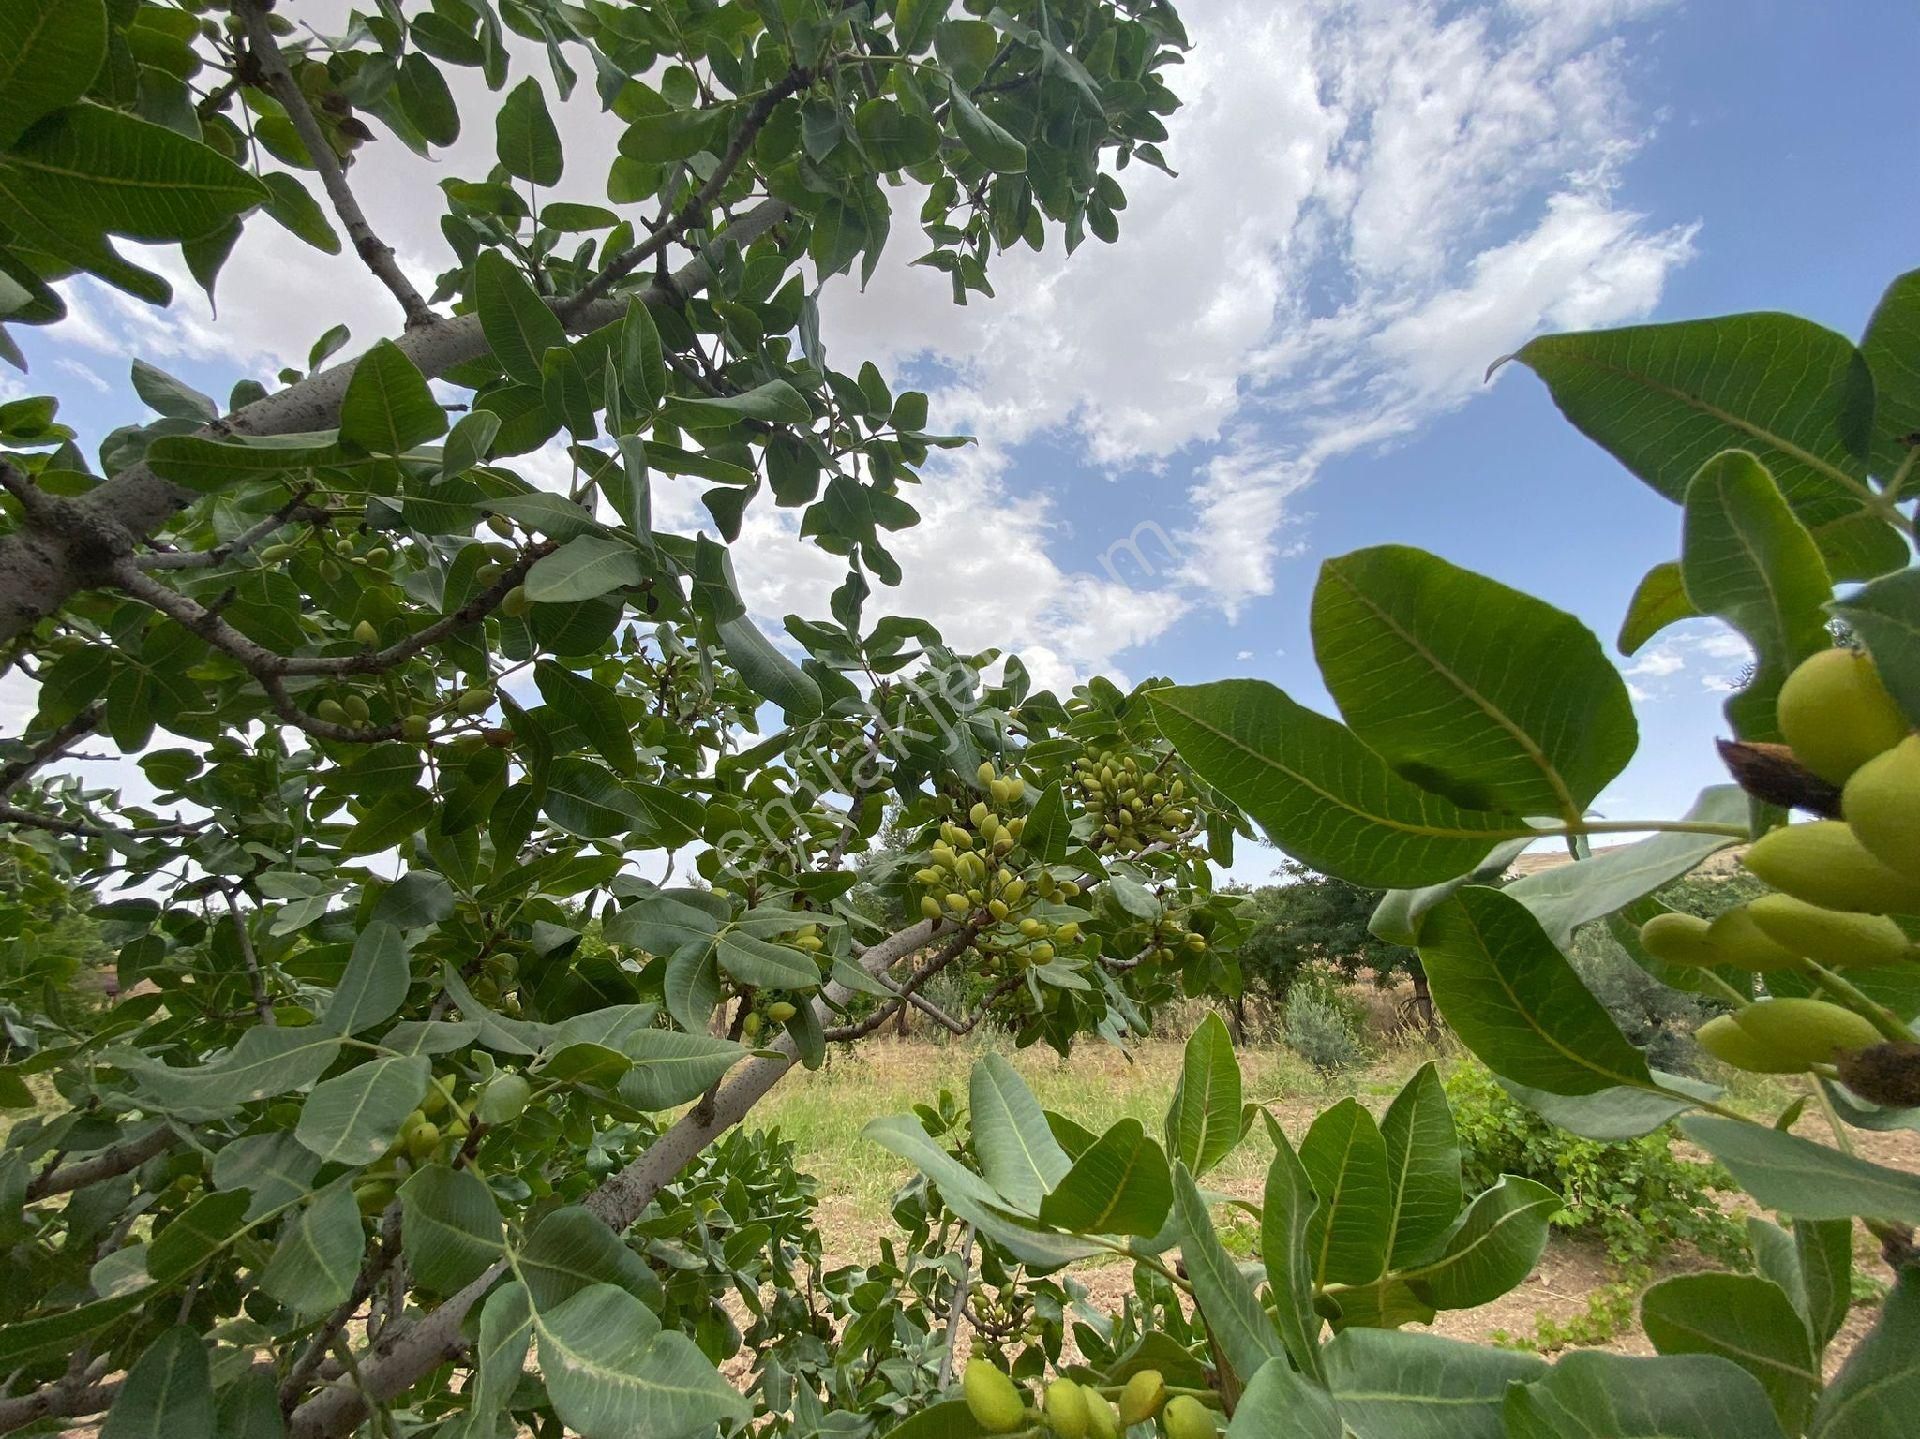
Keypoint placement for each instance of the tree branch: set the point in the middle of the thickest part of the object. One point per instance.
(77, 543)
(18, 772)
(119, 1159)
(695, 210)
(70, 1396)
(295, 508)
(377, 254)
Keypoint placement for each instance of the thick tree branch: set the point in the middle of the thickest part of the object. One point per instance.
(119, 1159)
(17, 772)
(377, 254)
(60, 1400)
(77, 543)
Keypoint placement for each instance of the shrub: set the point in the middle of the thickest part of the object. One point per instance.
(1635, 1195)
(1320, 1027)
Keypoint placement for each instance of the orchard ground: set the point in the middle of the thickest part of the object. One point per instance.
(824, 1113)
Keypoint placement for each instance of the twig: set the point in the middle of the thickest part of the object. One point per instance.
(93, 829)
(119, 1159)
(378, 1258)
(377, 254)
(691, 213)
(262, 1005)
(956, 1306)
(18, 772)
(293, 509)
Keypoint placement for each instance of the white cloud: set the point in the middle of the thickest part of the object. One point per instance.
(1693, 655)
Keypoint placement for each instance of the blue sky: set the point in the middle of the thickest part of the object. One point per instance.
(1281, 359)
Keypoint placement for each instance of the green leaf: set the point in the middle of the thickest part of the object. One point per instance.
(265, 1062)
(1018, 1153)
(167, 1393)
(1516, 1002)
(555, 516)
(1659, 601)
(1286, 1227)
(570, 1251)
(893, 137)
(200, 1230)
(591, 706)
(1886, 615)
(1119, 1185)
(506, 1333)
(313, 1269)
(1203, 1122)
(353, 1117)
(1824, 1249)
(1569, 895)
(451, 1227)
(388, 408)
(776, 402)
(275, 1170)
(1592, 1395)
(564, 391)
(525, 138)
(1279, 1401)
(1891, 349)
(1802, 1178)
(1748, 560)
(207, 465)
(174, 398)
(612, 1372)
(986, 139)
(292, 205)
(584, 569)
(468, 442)
(374, 985)
(1346, 1160)
(586, 800)
(1492, 1249)
(1746, 1319)
(671, 1068)
(1470, 689)
(1235, 1318)
(519, 326)
(643, 366)
(1664, 399)
(50, 50)
(766, 965)
(426, 101)
(1390, 1384)
(1606, 1113)
(1322, 795)
(670, 135)
(1874, 1394)
(1423, 1166)
(55, 1333)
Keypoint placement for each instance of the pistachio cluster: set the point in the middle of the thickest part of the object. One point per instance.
(1133, 804)
(1070, 1410)
(434, 1130)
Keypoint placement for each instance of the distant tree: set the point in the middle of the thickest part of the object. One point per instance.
(1309, 918)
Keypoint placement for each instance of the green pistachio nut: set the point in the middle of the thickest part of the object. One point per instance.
(1824, 863)
(1836, 714)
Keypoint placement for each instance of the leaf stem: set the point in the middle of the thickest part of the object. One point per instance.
(1638, 826)
(1850, 995)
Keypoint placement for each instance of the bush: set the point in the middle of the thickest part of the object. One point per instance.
(1635, 1195)
(1320, 1026)
(1658, 1019)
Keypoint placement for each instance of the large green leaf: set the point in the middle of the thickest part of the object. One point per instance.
(1239, 1325)
(320, 1252)
(671, 1067)
(207, 465)
(1473, 690)
(353, 1117)
(1660, 600)
(571, 1250)
(266, 1061)
(1203, 1122)
(1516, 1002)
(167, 1393)
(612, 1372)
(1492, 1249)
(388, 408)
(525, 138)
(1322, 795)
(776, 402)
(1346, 1160)
(585, 568)
(1287, 1211)
(1746, 1319)
(519, 326)
(50, 51)
(1279, 1401)
(592, 707)
(1799, 1177)
(1423, 1166)
(451, 1226)
(1118, 1185)
(1886, 615)
(986, 139)
(1390, 1384)
(1745, 558)
(1891, 348)
(374, 985)
(1569, 895)
(1591, 1395)
(1018, 1154)
(1664, 399)
(506, 1333)
(584, 798)
(1622, 1113)
(1874, 1396)
(199, 1231)
(275, 1169)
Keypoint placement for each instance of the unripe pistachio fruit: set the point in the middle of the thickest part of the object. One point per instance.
(503, 1100)
(1882, 805)
(331, 711)
(1810, 1031)
(1102, 1422)
(357, 709)
(415, 728)
(365, 633)
(992, 1398)
(476, 701)
(985, 773)
(1066, 1409)
(1831, 937)
(1836, 714)
(1738, 941)
(1824, 863)
(1730, 1044)
(1679, 939)
(515, 601)
(1141, 1397)
(780, 1011)
(1186, 1417)
(750, 1026)
(930, 907)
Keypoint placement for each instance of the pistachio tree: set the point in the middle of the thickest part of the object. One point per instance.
(496, 858)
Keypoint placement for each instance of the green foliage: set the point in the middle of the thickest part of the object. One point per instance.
(1321, 1029)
